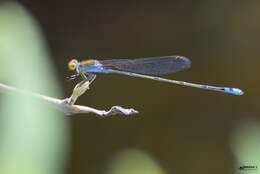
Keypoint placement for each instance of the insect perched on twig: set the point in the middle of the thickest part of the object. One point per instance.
(149, 68)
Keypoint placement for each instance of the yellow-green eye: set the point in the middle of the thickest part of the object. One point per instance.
(72, 64)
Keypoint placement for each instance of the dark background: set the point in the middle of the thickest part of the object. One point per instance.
(186, 130)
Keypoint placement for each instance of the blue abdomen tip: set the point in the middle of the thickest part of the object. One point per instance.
(234, 91)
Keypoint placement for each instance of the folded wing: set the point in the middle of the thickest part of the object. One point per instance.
(149, 65)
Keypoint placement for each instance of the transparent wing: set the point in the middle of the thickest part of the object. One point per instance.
(149, 65)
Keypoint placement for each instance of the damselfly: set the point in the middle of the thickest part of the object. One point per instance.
(149, 68)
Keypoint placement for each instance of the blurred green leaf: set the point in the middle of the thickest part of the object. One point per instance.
(133, 161)
(245, 145)
(33, 135)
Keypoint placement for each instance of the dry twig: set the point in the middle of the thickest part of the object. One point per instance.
(67, 105)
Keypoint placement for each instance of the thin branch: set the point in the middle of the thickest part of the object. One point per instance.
(67, 105)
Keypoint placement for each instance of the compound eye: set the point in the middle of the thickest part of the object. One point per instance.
(72, 64)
